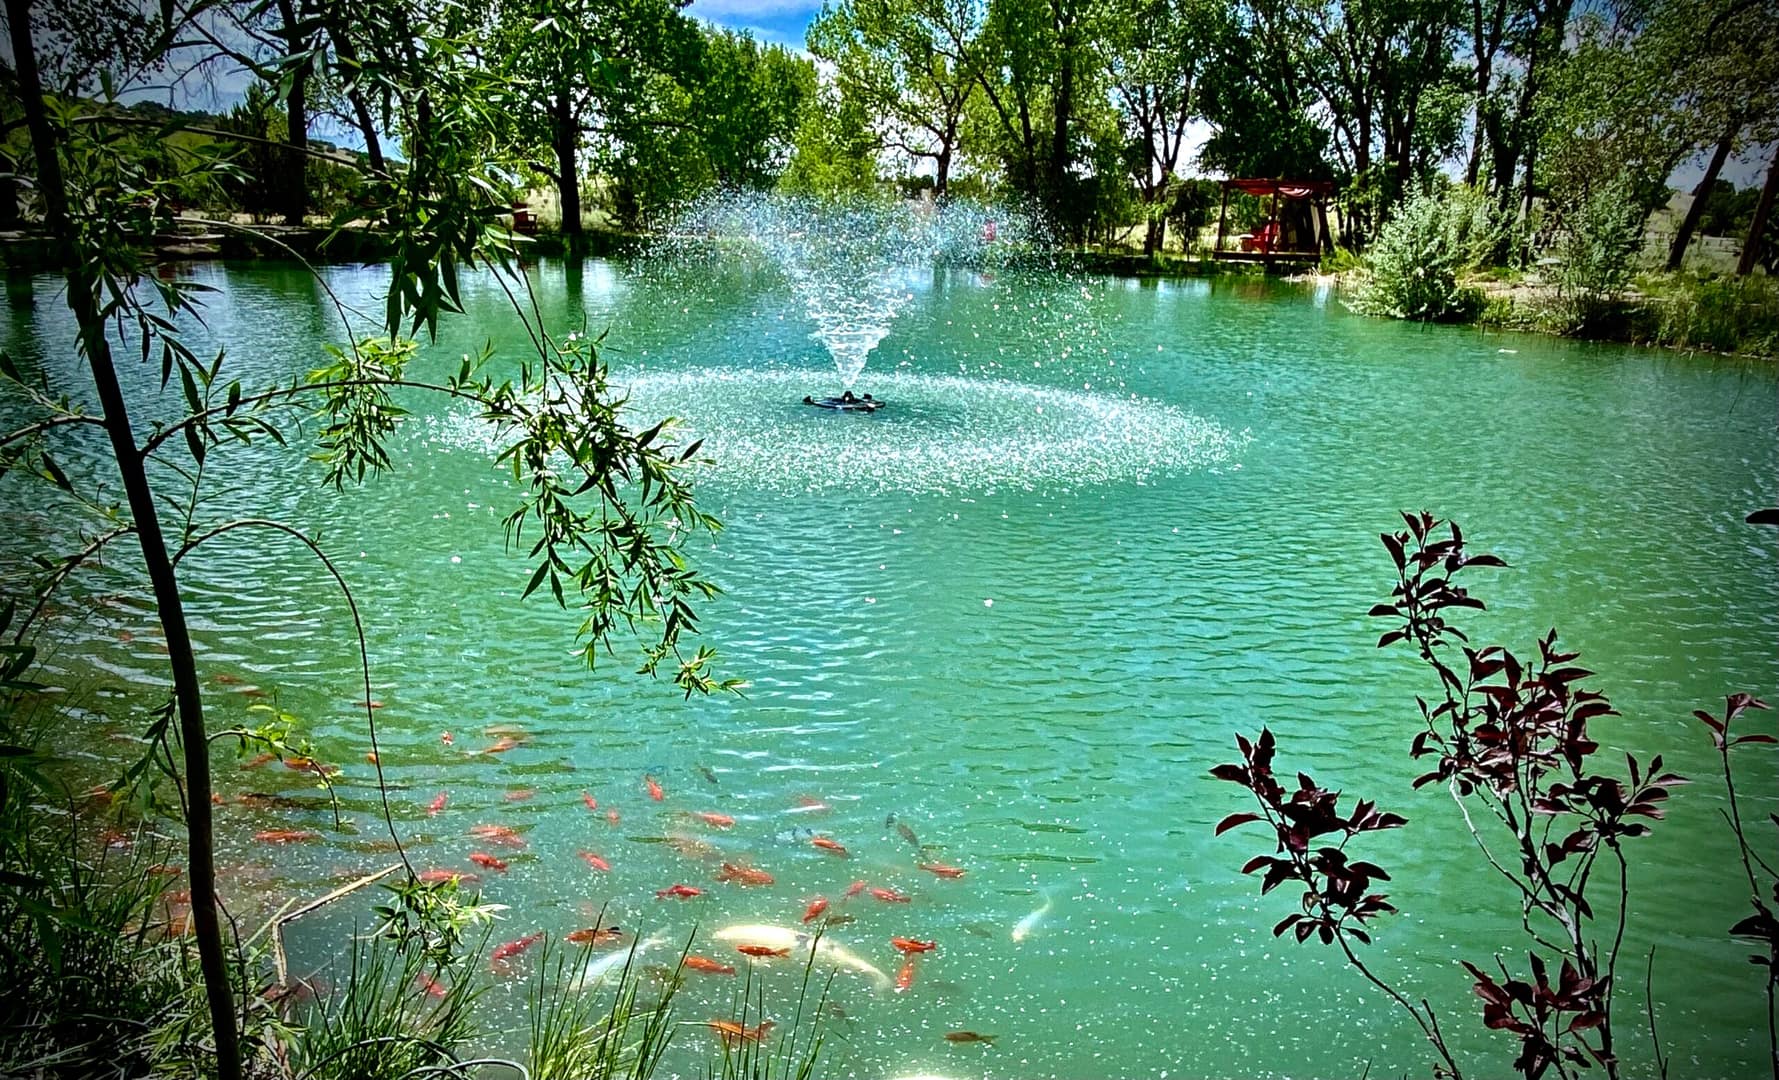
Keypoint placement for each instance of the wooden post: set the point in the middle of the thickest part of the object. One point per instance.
(1222, 214)
(1272, 228)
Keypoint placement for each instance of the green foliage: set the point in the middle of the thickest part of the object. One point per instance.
(394, 1013)
(1417, 259)
(1736, 314)
(1597, 244)
(836, 151)
(573, 1039)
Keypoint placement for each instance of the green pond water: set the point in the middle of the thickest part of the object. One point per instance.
(1104, 525)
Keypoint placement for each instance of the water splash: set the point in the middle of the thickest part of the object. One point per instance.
(854, 264)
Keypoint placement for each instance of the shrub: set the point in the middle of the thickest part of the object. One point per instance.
(1731, 315)
(1421, 251)
(1597, 241)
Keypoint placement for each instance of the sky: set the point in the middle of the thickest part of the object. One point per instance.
(780, 22)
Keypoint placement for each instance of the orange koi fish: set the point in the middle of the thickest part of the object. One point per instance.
(434, 876)
(257, 760)
(595, 861)
(655, 791)
(225, 679)
(744, 875)
(445, 737)
(519, 795)
(853, 890)
(487, 862)
(911, 946)
(595, 935)
(761, 951)
(504, 835)
(592, 803)
(941, 870)
(430, 985)
(831, 846)
(967, 1037)
(611, 816)
(286, 836)
(370, 757)
(720, 821)
(438, 803)
(815, 908)
(905, 977)
(516, 946)
(361, 703)
(502, 745)
(683, 892)
(809, 804)
(890, 896)
(708, 966)
(731, 1032)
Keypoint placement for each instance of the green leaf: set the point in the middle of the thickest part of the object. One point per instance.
(55, 475)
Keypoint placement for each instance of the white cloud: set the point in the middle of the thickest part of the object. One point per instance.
(724, 10)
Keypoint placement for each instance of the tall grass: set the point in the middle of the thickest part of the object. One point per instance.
(385, 1021)
(1722, 314)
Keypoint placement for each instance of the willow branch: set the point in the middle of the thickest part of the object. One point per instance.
(68, 567)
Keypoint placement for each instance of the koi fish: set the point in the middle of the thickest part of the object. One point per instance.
(709, 776)
(592, 803)
(595, 861)
(487, 862)
(720, 821)
(967, 1037)
(762, 951)
(286, 836)
(815, 908)
(438, 803)
(595, 935)
(445, 737)
(611, 816)
(905, 977)
(708, 966)
(853, 890)
(911, 946)
(1023, 928)
(370, 758)
(225, 679)
(890, 896)
(257, 760)
(826, 949)
(519, 795)
(691, 847)
(744, 875)
(165, 870)
(515, 947)
(655, 791)
(829, 845)
(731, 1032)
(683, 892)
(432, 877)
(430, 985)
(599, 969)
(907, 834)
(809, 804)
(504, 835)
(361, 703)
(502, 745)
(940, 869)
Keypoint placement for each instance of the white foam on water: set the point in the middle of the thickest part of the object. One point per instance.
(939, 434)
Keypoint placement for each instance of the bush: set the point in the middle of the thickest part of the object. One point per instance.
(1420, 252)
(1730, 315)
(1596, 247)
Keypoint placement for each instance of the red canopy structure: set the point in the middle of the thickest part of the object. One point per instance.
(1296, 229)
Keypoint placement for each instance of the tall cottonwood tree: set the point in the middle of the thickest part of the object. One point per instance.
(1153, 52)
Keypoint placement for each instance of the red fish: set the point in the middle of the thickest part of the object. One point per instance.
(941, 869)
(761, 950)
(503, 744)
(890, 896)
(258, 760)
(910, 946)
(164, 870)
(831, 846)
(853, 890)
(744, 875)
(515, 947)
(519, 795)
(731, 1032)
(487, 862)
(286, 836)
(655, 791)
(595, 861)
(434, 876)
(592, 803)
(360, 703)
(683, 892)
(815, 908)
(504, 835)
(430, 985)
(905, 977)
(445, 737)
(611, 816)
(370, 757)
(438, 803)
(720, 821)
(708, 966)
(595, 935)
(809, 804)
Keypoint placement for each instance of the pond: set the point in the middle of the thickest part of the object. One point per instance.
(1102, 526)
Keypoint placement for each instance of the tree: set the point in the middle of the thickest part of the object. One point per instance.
(747, 101)
(836, 150)
(912, 64)
(1153, 52)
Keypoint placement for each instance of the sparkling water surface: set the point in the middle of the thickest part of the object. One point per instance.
(1103, 525)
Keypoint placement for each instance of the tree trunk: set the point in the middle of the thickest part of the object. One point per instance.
(200, 854)
(565, 135)
(348, 55)
(1155, 233)
(1063, 106)
(942, 171)
(295, 194)
(1684, 236)
(1757, 228)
